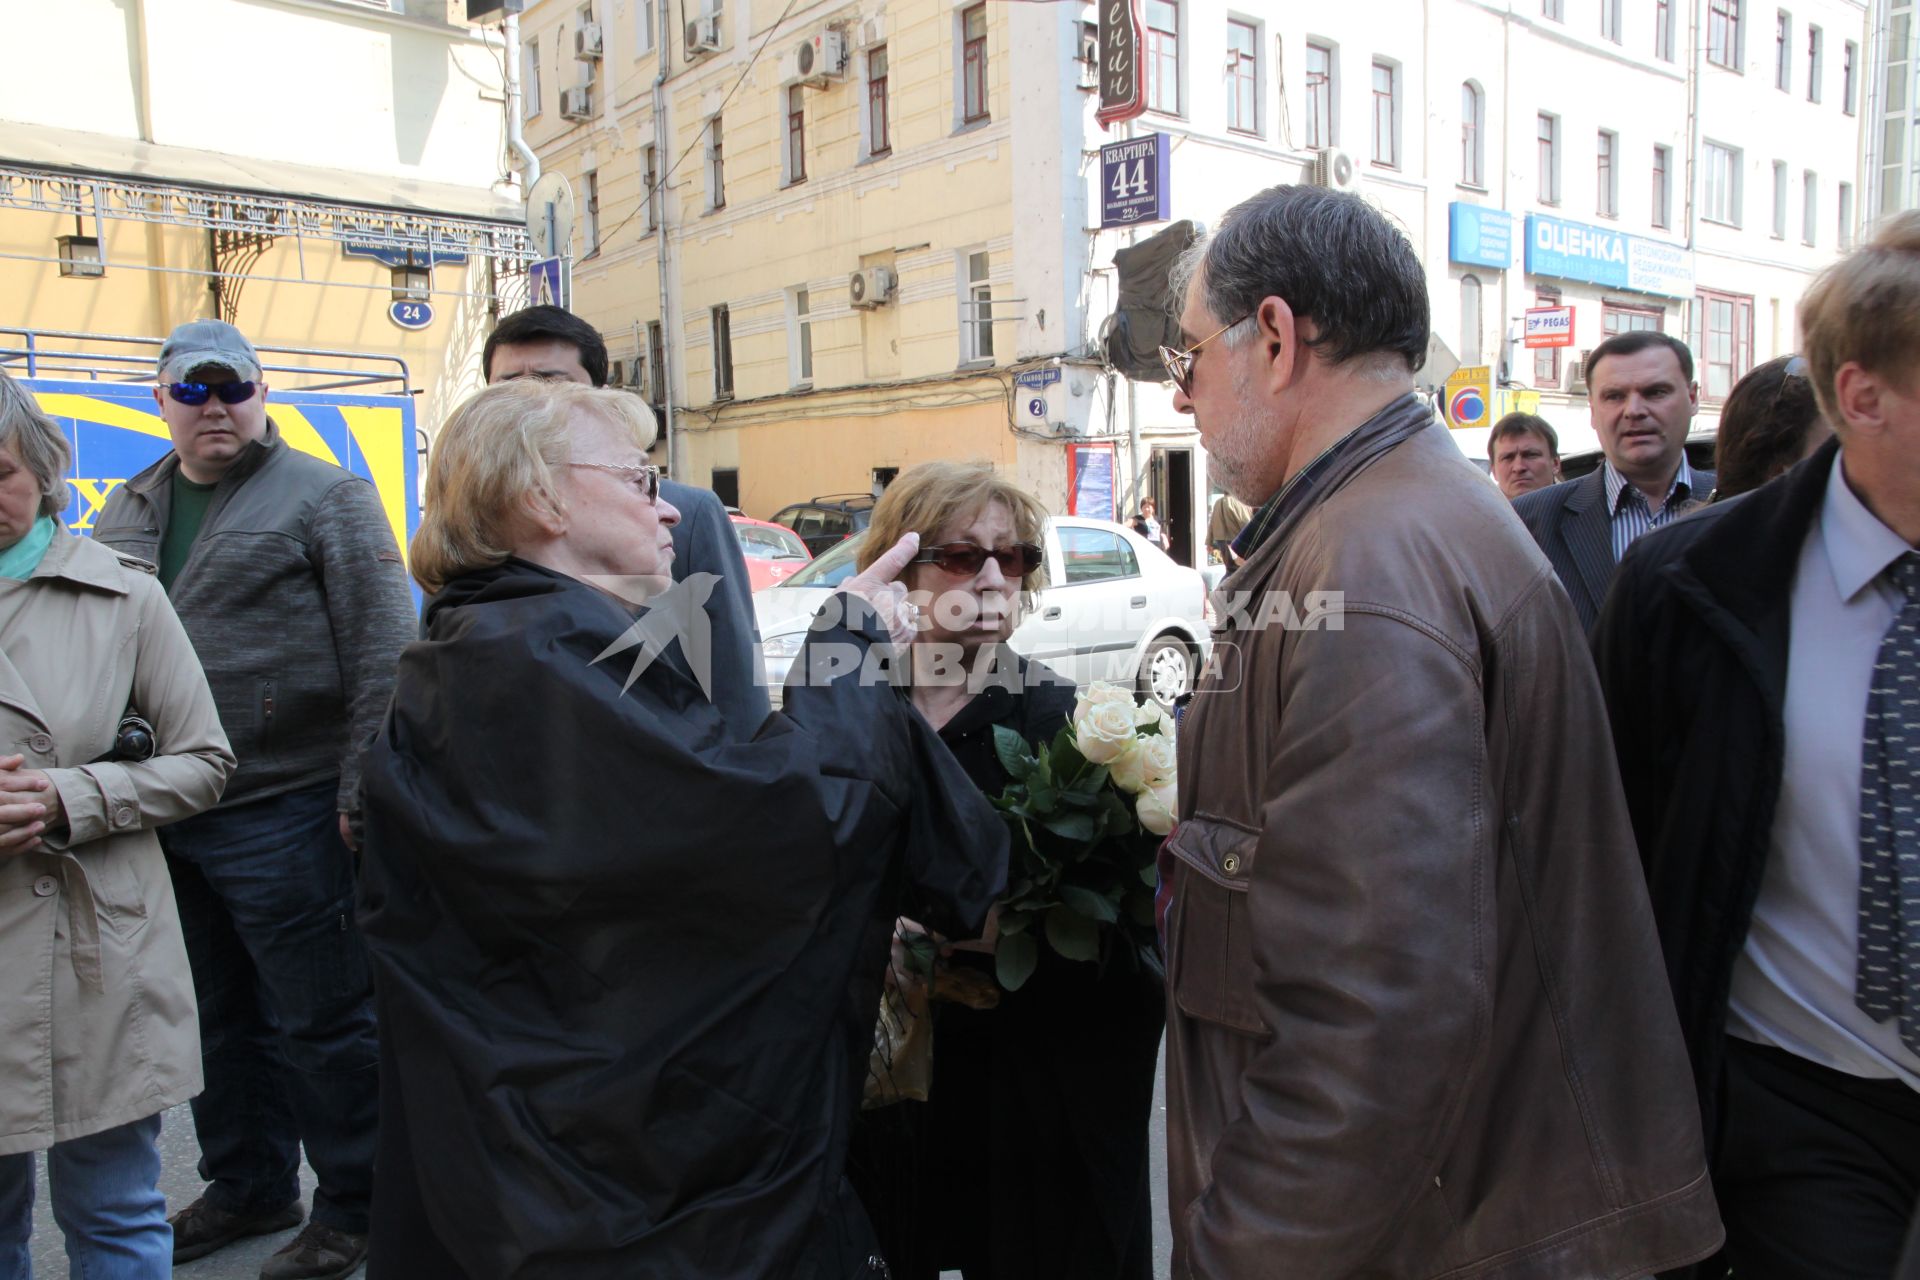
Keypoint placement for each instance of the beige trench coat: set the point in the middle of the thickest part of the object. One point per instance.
(98, 1023)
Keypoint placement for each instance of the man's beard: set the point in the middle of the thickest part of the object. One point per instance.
(1236, 453)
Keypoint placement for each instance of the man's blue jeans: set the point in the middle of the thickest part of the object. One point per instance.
(106, 1199)
(286, 1005)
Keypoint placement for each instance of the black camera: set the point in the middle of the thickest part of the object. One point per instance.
(133, 740)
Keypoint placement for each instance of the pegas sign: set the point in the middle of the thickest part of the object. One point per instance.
(1597, 255)
(115, 432)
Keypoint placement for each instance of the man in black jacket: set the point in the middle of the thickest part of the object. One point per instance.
(1754, 659)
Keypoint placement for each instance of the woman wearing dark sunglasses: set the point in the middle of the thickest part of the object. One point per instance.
(1029, 1160)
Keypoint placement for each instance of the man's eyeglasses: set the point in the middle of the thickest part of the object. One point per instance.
(964, 559)
(1180, 363)
(197, 393)
(647, 476)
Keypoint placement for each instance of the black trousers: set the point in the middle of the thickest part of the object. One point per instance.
(1817, 1171)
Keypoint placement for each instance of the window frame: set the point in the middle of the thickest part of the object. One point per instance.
(590, 209)
(975, 107)
(1392, 102)
(1609, 310)
(1783, 51)
(877, 92)
(1780, 181)
(1663, 30)
(1606, 174)
(1816, 54)
(1243, 76)
(657, 363)
(1809, 208)
(1553, 10)
(1843, 202)
(644, 45)
(1547, 154)
(1153, 51)
(652, 194)
(794, 136)
(1733, 216)
(1849, 70)
(720, 333)
(1473, 136)
(1472, 296)
(1724, 35)
(1327, 89)
(1740, 341)
(1610, 21)
(800, 337)
(716, 163)
(976, 306)
(530, 97)
(1662, 186)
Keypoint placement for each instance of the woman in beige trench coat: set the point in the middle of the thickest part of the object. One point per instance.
(98, 1033)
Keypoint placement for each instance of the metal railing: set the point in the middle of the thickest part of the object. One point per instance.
(104, 357)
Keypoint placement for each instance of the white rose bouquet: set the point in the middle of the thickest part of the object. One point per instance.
(1087, 811)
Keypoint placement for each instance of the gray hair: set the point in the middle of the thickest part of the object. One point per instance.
(1333, 257)
(37, 441)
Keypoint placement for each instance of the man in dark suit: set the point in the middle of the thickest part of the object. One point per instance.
(1642, 398)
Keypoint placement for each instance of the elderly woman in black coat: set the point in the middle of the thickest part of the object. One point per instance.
(627, 957)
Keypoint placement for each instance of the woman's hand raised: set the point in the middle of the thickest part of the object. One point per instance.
(880, 586)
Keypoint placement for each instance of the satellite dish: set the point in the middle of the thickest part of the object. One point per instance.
(550, 210)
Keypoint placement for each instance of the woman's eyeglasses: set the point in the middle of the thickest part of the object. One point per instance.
(964, 559)
(1180, 363)
(646, 476)
(197, 393)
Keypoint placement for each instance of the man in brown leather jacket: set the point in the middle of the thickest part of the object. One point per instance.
(1417, 1024)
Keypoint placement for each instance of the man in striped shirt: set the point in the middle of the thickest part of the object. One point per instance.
(1642, 399)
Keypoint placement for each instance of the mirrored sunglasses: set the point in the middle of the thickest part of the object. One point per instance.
(195, 393)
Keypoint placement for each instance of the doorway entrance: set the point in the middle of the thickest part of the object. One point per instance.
(1170, 481)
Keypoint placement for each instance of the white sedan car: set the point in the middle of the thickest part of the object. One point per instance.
(1115, 608)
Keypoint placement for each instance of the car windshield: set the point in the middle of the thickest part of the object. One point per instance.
(832, 567)
(764, 542)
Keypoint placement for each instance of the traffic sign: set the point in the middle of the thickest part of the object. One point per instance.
(411, 313)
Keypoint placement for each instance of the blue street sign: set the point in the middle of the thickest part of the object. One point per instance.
(1134, 181)
(1599, 255)
(1478, 236)
(411, 314)
(1038, 379)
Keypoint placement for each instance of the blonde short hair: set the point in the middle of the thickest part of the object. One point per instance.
(934, 495)
(1865, 309)
(37, 441)
(496, 452)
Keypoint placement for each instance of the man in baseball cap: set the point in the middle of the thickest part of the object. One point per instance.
(285, 574)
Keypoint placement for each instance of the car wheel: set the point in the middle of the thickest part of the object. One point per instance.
(1166, 670)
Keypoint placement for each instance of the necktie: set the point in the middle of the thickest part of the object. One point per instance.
(1887, 972)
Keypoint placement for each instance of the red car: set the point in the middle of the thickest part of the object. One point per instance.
(773, 552)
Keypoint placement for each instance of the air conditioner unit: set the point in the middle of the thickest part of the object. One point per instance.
(796, 64)
(577, 104)
(587, 43)
(703, 36)
(1577, 376)
(824, 56)
(870, 287)
(1334, 170)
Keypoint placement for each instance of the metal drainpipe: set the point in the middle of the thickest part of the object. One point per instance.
(661, 151)
(529, 163)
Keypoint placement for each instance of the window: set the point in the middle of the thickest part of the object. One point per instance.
(973, 64)
(1610, 20)
(1606, 175)
(1320, 97)
(1473, 127)
(1094, 555)
(1845, 197)
(1615, 318)
(656, 363)
(1783, 52)
(1163, 56)
(1555, 9)
(1722, 339)
(1815, 38)
(800, 336)
(1779, 199)
(1386, 114)
(1663, 187)
(796, 134)
(1810, 206)
(1243, 77)
(879, 139)
(1549, 133)
(1546, 360)
(725, 483)
(647, 19)
(716, 166)
(1723, 33)
(1663, 30)
(591, 227)
(722, 352)
(1849, 55)
(530, 79)
(1720, 177)
(651, 162)
(976, 312)
(1469, 320)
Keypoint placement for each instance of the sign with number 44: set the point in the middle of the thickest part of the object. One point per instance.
(1134, 181)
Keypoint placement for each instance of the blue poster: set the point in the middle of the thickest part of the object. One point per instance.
(1478, 236)
(1090, 472)
(1134, 185)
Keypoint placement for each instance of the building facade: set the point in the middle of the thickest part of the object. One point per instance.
(875, 224)
(294, 166)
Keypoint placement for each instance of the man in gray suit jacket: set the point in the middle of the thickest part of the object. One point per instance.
(1642, 399)
(547, 342)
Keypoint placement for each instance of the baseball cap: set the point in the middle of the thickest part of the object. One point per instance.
(199, 343)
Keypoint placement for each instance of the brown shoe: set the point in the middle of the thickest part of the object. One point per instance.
(200, 1228)
(317, 1253)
